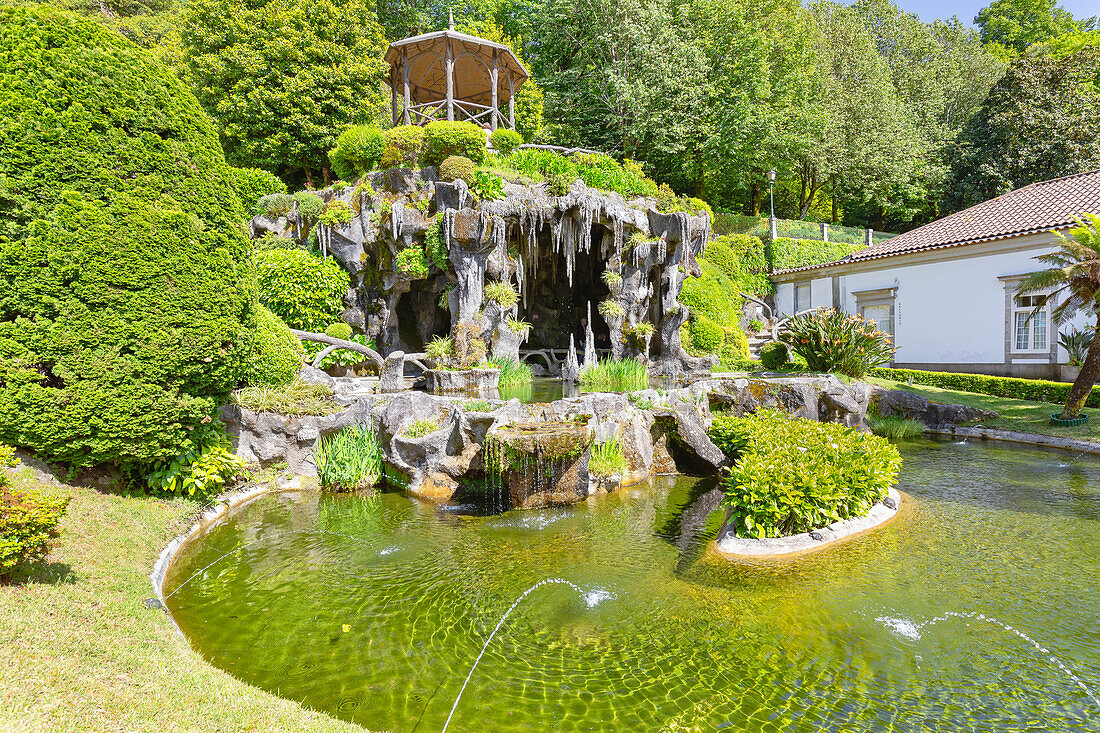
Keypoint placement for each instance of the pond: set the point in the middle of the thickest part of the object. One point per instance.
(976, 609)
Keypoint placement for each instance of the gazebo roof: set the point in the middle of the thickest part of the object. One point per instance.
(473, 58)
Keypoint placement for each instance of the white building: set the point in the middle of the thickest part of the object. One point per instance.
(947, 290)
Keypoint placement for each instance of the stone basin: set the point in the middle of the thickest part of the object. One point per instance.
(541, 463)
(463, 380)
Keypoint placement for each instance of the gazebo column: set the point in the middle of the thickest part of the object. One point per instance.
(405, 76)
(511, 102)
(450, 83)
(496, 103)
(393, 94)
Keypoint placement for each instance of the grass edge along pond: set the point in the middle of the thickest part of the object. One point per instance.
(82, 652)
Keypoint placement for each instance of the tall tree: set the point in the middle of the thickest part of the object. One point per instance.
(284, 77)
(1041, 121)
(1016, 24)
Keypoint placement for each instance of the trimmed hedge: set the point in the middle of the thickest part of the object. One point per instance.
(1034, 390)
(303, 289)
(788, 253)
(253, 184)
(456, 167)
(444, 139)
(358, 150)
(276, 353)
(715, 304)
(28, 526)
(404, 144)
(504, 141)
(774, 355)
(126, 282)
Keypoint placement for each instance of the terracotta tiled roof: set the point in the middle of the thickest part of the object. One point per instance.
(1034, 208)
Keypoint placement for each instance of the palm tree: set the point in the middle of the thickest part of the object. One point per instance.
(1074, 274)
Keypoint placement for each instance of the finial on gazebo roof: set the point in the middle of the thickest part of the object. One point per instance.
(450, 19)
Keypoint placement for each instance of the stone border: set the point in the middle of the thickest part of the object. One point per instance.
(1011, 436)
(729, 544)
(225, 504)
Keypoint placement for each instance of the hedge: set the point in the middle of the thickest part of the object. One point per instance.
(404, 144)
(444, 139)
(126, 281)
(1034, 390)
(788, 253)
(358, 150)
(276, 353)
(305, 290)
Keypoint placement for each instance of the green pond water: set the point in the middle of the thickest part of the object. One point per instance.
(374, 609)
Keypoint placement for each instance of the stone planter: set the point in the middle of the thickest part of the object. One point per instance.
(464, 380)
(1069, 373)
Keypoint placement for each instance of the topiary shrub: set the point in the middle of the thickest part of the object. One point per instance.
(773, 355)
(456, 167)
(339, 330)
(444, 139)
(404, 145)
(126, 284)
(28, 526)
(253, 184)
(504, 141)
(276, 353)
(304, 290)
(275, 205)
(358, 150)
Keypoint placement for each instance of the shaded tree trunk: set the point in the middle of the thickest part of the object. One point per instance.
(1082, 387)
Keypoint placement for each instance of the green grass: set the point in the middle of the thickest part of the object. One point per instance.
(478, 406)
(512, 372)
(420, 428)
(350, 459)
(607, 458)
(1020, 415)
(898, 428)
(82, 652)
(297, 398)
(615, 375)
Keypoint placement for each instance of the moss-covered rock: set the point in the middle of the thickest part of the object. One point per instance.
(126, 281)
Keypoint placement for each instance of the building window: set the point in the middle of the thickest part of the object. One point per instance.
(801, 298)
(1030, 326)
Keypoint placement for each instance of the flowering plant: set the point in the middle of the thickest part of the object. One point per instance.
(834, 341)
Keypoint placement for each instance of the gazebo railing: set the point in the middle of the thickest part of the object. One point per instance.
(464, 112)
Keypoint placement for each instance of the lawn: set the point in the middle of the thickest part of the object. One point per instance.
(80, 651)
(1019, 415)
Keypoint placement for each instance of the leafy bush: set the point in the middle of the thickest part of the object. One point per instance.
(358, 150)
(788, 253)
(403, 146)
(276, 353)
(833, 341)
(756, 325)
(457, 167)
(715, 301)
(558, 184)
(487, 187)
(271, 241)
(350, 459)
(7, 456)
(504, 141)
(203, 471)
(339, 330)
(597, 171)
(620, 375)
(297, 398)
(310, 205)
(444, 139)
(512, 372)
(435, 244)
(1035, 390)
(607, 458)
(275, 205)
(420, 428)
(335, 212)
(501, 293)
(440, 348)
(794, 475)
(305, 290)
(412, 262)
(895, 427)
(705, 335)
(253, 184)
(773, 355)
(125, 277)
(28, 526)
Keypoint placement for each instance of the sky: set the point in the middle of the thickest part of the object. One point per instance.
(967, 9)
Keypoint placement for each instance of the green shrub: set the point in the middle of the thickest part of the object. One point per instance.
(834, 341)
(348, 460)
(444, 139)
(788, 253)
(304, 290)
(7, 456)
(898, 428)
(735, 345)
(607, 458)
(773, 355)
(420, 428)
(705, 335)
(504, 141)
(457, 167)
(1034, 390)
(276, 353)
(558, 184)
(487, 186)
(358, 150)
(715, 302)
(203, 471)
(125, 276)
(335, 212)
(28, 526)
(297, 398)
(310, 205)
(512, 372)
(440, 348)
(253, 184)
(275, 205)
(412, 262)
(756, 325)
(793, 475)
(625, 375)
(339, 330)
(271, 241)
(501, 293)
(435, 244)
(597, 171)
(404, 145)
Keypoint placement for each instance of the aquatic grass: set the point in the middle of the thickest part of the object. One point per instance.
(420, 428)
(478, 406)
(607, 458)
(297, 398)
(615, 375)
(350, 459)
(898, 428)
(512, 373)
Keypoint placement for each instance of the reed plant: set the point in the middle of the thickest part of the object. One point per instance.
(512, 372)
(297, 398)
(350, 459)
(607, 458)
(615, 375)
(898, 428)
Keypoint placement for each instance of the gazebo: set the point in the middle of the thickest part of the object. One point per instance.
(453, 76)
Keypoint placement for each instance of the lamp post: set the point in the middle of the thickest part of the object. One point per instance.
(771, 195)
